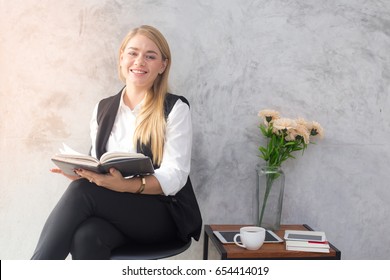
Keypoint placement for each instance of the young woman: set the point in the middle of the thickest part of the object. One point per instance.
(99, 212)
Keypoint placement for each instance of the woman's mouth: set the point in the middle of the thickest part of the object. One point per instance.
(138, 71)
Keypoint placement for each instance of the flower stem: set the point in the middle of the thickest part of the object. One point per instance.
(270, 179)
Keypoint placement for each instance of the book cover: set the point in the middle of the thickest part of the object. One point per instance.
(304, 235)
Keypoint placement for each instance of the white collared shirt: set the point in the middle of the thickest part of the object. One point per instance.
(175, 166)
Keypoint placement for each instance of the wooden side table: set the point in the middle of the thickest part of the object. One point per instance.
(270, 251)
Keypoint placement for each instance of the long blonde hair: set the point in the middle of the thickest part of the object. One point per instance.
(151, 121)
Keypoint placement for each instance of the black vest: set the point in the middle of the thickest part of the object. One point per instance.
(107, 111)
(183, 206)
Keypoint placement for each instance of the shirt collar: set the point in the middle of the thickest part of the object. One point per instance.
(136, 109)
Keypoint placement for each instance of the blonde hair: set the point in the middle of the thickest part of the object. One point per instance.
(151, 121)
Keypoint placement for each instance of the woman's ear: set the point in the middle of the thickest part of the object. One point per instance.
(164, 66)
(121, 56)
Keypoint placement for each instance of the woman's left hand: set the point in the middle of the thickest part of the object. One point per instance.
(113, 180)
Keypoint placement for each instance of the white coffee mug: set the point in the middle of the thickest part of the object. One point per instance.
(252, 238)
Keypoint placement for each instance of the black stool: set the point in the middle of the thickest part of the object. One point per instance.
(149, 252)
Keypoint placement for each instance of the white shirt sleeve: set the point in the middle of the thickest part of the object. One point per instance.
(176, 163)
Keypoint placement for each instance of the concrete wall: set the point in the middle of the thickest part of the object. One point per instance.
(327, 61)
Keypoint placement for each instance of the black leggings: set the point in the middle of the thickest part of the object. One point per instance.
(90, 221)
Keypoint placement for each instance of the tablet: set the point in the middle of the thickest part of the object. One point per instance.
(227, 237)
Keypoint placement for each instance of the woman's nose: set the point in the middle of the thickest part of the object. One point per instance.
(140, 61)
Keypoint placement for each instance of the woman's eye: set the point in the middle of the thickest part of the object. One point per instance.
(150, 57)
(132, 53)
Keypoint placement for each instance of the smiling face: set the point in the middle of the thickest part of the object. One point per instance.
(141, 62)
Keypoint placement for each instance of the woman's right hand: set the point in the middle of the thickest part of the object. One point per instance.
(59, 171)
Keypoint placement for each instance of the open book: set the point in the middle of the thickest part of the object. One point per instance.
(129, 164)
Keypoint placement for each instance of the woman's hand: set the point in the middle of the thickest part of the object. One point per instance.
(113, 180)
(59, 171)
(116, 182)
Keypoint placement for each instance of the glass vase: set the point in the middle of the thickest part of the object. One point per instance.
(268, 200)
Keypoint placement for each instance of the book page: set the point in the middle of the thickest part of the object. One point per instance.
(69, 155)
(77, 159)
(112, 156)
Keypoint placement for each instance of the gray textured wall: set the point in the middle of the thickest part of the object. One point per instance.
(323, 60)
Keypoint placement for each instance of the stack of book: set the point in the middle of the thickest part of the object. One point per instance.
(306, 241)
